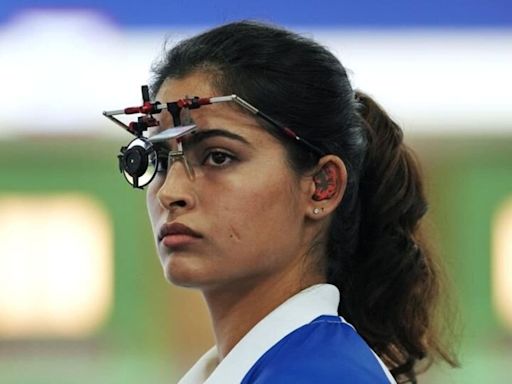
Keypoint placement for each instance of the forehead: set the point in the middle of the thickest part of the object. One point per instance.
(222, 115)
(196, 84)
(192, 85)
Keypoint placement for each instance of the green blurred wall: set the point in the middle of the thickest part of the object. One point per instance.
(468, 180)
(138, 330)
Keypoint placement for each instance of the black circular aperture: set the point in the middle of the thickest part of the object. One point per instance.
(135, 161)
(138, 162)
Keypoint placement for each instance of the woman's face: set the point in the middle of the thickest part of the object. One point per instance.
(245, 206)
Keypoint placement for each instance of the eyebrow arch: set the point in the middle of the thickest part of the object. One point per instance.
(200, 136)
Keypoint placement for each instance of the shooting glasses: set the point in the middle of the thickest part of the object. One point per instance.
(143, 157)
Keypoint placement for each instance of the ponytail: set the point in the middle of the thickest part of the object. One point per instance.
(390, 284)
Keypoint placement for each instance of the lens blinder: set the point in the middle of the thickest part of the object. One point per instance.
(136, 162)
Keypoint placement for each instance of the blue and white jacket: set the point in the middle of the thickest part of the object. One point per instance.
(301, 341)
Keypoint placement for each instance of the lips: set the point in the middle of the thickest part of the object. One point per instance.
(176, 230)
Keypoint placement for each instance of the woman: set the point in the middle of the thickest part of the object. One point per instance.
(295, 211)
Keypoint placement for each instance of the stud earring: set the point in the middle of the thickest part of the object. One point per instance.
(316, 211)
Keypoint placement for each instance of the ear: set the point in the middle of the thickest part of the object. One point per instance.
(327, 187)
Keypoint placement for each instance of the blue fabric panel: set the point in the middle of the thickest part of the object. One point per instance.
(323, 351)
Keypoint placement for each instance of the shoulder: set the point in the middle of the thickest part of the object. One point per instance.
(325, 350)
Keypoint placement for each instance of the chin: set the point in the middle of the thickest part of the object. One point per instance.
(180, 273)
(179, 280)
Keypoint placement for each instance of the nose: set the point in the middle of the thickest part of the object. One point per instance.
(176, 191)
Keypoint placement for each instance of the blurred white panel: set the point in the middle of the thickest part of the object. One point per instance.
(56, 261)
(439, 81)
(502, 263)
(60, 70)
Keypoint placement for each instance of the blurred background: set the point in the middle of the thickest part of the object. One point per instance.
(82, 296)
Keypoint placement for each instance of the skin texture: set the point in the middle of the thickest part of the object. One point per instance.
(254, 215)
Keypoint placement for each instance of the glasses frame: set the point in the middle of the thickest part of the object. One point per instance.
(149, 108)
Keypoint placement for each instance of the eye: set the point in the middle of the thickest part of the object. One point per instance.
(218, 159)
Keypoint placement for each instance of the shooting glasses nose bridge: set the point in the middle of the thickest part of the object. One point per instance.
(176, 156)
(175, 188)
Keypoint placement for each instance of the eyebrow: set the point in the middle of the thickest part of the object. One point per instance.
(200, 136)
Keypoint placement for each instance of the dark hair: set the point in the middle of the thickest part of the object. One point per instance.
(389, 282)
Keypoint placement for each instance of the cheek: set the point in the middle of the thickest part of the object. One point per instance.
(256, 210)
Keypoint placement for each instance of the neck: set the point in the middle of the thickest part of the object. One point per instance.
(235, 311)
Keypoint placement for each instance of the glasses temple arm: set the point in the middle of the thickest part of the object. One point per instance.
(287, 131)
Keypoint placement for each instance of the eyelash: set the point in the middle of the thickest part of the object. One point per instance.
(226, 156)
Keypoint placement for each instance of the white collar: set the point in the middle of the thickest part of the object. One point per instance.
(298, 310)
